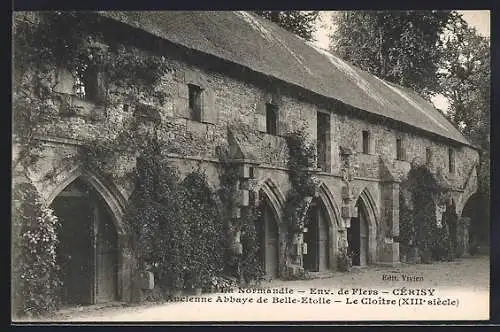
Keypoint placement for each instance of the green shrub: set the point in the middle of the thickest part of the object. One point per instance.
(251, 265)
(206, 232)
(418, 225)
(178, 229)
(301, 156)
(36, 282)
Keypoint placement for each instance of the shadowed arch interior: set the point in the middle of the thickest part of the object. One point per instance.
(318, 238)
(111, 195)
(267, 228)
(361, 236)
(88, 245)
(478, 222)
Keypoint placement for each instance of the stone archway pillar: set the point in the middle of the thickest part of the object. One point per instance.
(127, 268)
(390, 201)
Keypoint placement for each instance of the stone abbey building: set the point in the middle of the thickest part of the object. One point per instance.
(239, 81)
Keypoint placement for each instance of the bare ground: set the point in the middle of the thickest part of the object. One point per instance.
(466, 274)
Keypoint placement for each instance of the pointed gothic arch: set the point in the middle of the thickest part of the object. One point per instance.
(114, 203)
(270, 229)
(362, 235)
(109, 193)
(325, 224)
(275, 196)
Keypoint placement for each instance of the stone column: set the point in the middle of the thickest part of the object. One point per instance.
(390, 249)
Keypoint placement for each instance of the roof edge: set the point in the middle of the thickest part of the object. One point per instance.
(282, 81)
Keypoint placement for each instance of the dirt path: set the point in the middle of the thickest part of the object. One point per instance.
(465, 281)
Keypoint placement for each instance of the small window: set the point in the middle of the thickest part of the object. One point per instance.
(323, 144)
(79, 87)
(451, 160)
(400, 155)
(366, 142)
(428, 155)
(271, 119)
(195, 102)
(86, 85)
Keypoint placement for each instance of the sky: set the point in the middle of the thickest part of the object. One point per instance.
(480, 19)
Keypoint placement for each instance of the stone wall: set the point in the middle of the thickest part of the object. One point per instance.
(233, 103)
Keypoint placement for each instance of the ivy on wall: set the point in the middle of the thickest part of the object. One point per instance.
(248, 266)
(80, 46)
(206, 232)
(177, 225)
(420, 193)
(36, 282)
(300, 161)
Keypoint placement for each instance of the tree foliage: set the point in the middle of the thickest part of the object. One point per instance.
(301, 23)
(399, 46)
(466, 82)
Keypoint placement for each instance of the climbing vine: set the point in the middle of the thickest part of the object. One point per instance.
(206, 232)
(36, 280)
(177, 225)
(247, 266)
(80, 47)
(301, 159)
(418, 225)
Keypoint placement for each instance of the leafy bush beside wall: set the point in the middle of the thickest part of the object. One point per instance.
(206, 232)
(179, 232)
(417, 217)
(36, 281)
(301, 159)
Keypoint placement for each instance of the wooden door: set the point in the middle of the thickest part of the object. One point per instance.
(75, 248)
(353, 238)
(311, 259)
(106, 254)
(323, 243)
(363, 241)
(272, 245)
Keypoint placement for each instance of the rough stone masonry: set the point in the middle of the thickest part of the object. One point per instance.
(363, 155)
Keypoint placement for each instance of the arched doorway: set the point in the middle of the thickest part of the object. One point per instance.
(358, 236)
(317, 258)
(268, 235)
(478, 221)
(87, 252)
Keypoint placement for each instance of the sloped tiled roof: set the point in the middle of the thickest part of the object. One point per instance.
(262, 46)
